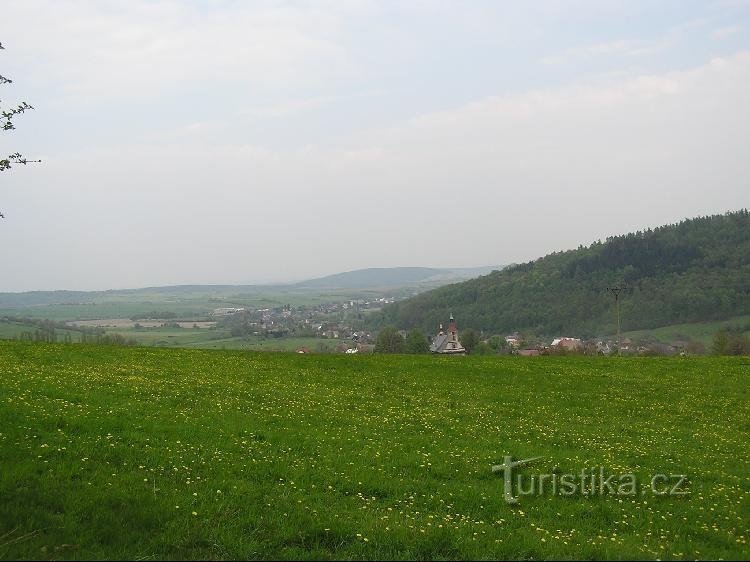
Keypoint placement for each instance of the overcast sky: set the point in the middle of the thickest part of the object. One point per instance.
(239, 142)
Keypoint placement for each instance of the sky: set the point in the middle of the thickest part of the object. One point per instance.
(245, 142)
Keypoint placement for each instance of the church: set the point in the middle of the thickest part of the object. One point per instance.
(447, 340)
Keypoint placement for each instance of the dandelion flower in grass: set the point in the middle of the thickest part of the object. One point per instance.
(195, 513)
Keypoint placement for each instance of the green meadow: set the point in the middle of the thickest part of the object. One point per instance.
(198, 338)
(183, 303)
(151, 453)
(703, 332)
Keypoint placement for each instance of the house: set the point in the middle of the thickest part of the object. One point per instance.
(447, 341)
(227, 311)
(513, 340)
(567, 343)
(361, 337)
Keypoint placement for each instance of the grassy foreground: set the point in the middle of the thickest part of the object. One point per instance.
(163, 453)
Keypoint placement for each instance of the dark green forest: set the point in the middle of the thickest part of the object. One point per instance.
(696, 270)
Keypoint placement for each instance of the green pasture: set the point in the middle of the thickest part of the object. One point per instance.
(199, 338)
(203, 338)
(149, 453)
(254, 343)
(184, 304)
(102, 310)
(12, 330)
(703, 332)
(170, 337)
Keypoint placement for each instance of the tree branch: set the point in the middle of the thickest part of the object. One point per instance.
(16, 158)
(9, 114)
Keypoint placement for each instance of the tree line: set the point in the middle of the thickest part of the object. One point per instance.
(731, 340)
(391, 340)
(52, 331)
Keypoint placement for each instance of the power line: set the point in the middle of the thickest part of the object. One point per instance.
(616, 291)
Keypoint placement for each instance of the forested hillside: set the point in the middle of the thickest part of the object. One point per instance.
(696, 270)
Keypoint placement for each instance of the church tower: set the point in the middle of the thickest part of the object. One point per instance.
(447, 341)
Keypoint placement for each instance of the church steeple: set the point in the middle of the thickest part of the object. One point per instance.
(447, 341)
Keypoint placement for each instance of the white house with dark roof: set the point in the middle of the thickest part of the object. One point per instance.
(447, 340)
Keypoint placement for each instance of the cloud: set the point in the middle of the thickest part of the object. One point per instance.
(290, 107)
(185, 142)
(724, 32)
(140, 49)
(511, 177)
(671, 37)
(627, 48)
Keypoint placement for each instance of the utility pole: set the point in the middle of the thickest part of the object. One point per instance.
(616, 292)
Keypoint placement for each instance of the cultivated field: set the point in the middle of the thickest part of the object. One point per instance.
(152, 453)
(128, 323)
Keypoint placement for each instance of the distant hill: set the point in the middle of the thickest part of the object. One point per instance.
(693, 271)
(414, 278)
(382, 277)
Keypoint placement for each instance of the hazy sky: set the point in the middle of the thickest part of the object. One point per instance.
(233, 142)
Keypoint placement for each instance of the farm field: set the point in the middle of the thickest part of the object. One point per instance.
(157, 336)
(700, 331)
(288, 343)
(221, 339)
(13, 330)
(113, 452)
(198, 338)
(171, 337)
(198, 302)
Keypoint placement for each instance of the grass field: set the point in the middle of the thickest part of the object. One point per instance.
(146, 453)
(13, 330)
(221, 339)
(256, 343)
(202, 338)
(184, 304)
(175, 337)
(703, 332)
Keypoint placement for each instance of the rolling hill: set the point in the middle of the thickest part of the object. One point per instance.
(389, 278)
(693, 271)
(382, 277)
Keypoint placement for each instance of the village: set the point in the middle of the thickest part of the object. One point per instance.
(344, 328)
(341, 323)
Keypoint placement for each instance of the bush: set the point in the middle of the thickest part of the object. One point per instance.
(484, 348)
(416, 342)
(389, 341)
(730, 341)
